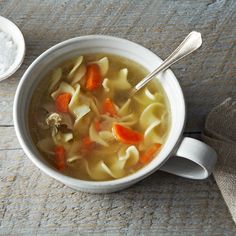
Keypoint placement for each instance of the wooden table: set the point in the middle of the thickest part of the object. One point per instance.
(33, 203)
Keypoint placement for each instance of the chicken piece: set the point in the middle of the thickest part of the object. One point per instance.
(54, 119)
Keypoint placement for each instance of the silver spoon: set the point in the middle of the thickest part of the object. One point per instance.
(191, 43)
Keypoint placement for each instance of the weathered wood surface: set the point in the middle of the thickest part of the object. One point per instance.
(32, 203)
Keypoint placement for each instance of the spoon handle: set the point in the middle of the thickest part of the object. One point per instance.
(192, 42)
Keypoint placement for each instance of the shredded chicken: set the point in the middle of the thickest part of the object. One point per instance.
(54, 119)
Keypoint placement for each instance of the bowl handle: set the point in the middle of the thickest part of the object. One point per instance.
(193, 159)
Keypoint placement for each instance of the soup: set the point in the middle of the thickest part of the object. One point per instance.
(83, 122)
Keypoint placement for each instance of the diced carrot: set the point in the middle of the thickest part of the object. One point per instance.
(97, 125)
(109, 107)
(60, 157)
(149, 153)
(87, 144)
(126, 135)
(62, 102)
(93, 77)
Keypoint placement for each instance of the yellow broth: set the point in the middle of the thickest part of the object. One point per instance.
(101, 162)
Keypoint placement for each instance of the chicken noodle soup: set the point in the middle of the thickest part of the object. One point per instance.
(83, 122)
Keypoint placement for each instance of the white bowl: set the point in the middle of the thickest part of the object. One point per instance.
(186, 157)
(10, 28)
(96, 44)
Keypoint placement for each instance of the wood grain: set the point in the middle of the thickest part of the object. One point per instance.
(32, 203)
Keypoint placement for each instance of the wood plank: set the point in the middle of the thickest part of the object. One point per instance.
(207, 77)
(33, 203)
(9, 140)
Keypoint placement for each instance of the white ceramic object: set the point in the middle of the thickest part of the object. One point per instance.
(185, 157)
(10, 28)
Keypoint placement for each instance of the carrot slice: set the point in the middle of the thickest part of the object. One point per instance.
(62, 102)
(109, 107)
(97, 125)
(93, 77)
(149, 153)
(60, 157)
(126, 135)
(87, 144)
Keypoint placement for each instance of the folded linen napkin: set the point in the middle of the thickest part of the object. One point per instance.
(220, 133)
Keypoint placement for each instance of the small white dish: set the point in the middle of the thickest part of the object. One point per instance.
(10, 28)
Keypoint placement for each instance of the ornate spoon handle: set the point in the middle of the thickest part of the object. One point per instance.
(191, 43)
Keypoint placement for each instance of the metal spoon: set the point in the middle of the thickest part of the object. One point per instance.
(191, 43)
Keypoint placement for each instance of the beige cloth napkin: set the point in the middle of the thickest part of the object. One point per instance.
(220, 133)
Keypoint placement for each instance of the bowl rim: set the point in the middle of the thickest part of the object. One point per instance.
(21, 56)
(71, 181)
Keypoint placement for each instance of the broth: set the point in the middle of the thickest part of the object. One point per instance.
(84, 124)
